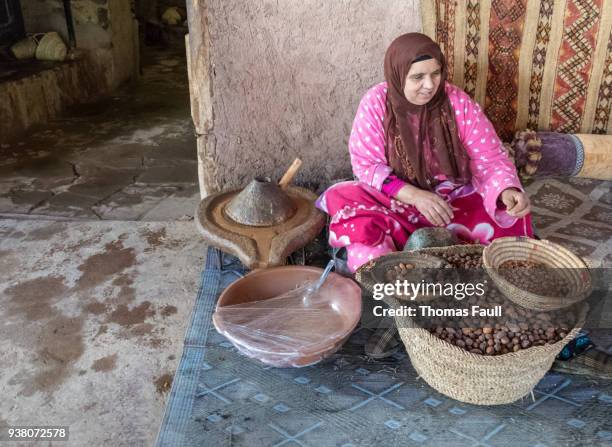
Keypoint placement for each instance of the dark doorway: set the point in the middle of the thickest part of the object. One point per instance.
(11, 22)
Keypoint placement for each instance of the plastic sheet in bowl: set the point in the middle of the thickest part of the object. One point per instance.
(266, 316)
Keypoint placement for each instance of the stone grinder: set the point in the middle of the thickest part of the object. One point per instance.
(263, 223)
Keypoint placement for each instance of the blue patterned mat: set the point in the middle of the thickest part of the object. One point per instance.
(221, 398)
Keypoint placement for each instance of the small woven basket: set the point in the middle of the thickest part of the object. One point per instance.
(570, 267)
(473, 378)
(51, 48)
(25, 48)
(374, 272)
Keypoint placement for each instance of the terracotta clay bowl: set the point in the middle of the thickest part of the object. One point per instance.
(339, 317)
(282, 360)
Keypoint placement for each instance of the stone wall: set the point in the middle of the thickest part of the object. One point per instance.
(107, 56)
(125, 47)
(41, 97)
(91, 20)
(271, 81)
(106, 27)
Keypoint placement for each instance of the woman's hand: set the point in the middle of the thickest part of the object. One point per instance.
(429, 204)
(517, 202)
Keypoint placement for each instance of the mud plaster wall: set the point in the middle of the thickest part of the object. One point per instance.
(286, 80)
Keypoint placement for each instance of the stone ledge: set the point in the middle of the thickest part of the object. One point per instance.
(43, 95)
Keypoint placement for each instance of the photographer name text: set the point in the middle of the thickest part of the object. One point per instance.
(428, 311)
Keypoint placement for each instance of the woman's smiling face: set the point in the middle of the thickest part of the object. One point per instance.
(422, 81)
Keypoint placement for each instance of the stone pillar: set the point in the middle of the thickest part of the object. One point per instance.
(271, 81)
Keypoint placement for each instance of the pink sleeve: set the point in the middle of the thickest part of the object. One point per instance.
(492, 170)
(367, 140)
(393, 186)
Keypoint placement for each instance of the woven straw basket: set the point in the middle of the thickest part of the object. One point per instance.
(51, 48)
(473, 378)
(25, 48)
(568, 265)
(374, 272)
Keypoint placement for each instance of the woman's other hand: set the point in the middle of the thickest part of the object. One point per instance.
(517, 202)
(429, 204)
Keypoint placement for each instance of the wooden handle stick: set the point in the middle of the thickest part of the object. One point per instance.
(288, 176)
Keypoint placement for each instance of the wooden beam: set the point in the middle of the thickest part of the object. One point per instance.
(199, 69)
(200, 66)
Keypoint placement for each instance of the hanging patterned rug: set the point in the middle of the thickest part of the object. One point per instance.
(544, 65)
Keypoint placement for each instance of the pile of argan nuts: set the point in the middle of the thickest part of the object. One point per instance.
(461, 260)
(534, 277)
(456, 260)
(400, 271)
(534, 329)
(521, 328)
(499, 339)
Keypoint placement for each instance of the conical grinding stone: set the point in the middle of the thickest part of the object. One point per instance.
(261, 204)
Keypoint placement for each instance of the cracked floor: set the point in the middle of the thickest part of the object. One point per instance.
(129, 157)
(100, 260)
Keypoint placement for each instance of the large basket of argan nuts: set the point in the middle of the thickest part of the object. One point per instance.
(537, 274)
(442, 357)
(492, 363)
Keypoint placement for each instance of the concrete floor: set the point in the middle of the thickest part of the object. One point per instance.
(94, 315)
(94, 301)
(131, 157)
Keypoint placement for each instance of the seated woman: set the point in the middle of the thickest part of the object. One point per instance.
(425, 155)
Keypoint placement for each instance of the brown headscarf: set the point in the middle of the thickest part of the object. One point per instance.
(422, 140)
